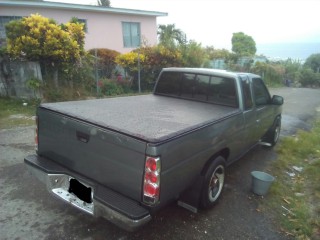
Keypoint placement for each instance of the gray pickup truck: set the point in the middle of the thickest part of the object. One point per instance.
(124, 158)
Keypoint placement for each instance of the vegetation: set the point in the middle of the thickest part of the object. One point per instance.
(106, 61)
(171, 37)
(37, 38)
(17, 112)
(295, 195)
(152, 60)
(243, 45)
(313, 62)
(69, 72)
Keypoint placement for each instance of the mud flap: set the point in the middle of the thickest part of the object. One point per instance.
(190, 198)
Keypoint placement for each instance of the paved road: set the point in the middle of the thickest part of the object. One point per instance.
(27, 211)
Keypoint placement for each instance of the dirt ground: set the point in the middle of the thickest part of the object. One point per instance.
(28, 211)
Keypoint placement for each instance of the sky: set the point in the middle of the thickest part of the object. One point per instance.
(212, 22)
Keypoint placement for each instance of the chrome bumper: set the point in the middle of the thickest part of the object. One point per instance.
(57, 180)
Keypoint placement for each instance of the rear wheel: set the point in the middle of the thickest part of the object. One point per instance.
(213, 183)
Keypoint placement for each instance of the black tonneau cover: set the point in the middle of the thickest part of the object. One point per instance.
(151, 118)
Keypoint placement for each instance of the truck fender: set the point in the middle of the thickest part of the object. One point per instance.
(191, 198)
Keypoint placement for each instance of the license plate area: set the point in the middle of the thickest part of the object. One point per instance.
(72, 191)
(83, 192)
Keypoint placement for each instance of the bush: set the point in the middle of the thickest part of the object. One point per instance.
(106, 61)
(152, 60)
(64, 93)
(309, 78)
(110, 87)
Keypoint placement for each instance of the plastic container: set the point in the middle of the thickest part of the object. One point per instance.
(261, 182)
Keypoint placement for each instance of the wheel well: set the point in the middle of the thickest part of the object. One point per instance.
(277, 118)
(223, 153)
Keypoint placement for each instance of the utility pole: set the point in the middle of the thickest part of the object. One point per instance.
(139, 67)
(96, 70)
(139, 80)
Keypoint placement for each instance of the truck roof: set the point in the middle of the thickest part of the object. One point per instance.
(210, 71)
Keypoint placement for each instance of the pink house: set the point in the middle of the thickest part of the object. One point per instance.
(106, 27)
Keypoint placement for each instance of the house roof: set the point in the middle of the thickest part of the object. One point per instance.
(79, 7)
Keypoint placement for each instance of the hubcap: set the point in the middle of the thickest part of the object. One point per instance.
(276, 134)
(216, 183)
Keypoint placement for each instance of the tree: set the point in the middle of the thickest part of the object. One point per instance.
(271, 73)
(243, 45)
(313, 62)
(37, 38)
(170, 36)
(217, 53)
(152, 60)
(309, 78)
(104, 3)
(193, 55)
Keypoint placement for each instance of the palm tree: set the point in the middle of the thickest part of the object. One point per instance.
(170, 36)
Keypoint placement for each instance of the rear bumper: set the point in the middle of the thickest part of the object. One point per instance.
(118, 209)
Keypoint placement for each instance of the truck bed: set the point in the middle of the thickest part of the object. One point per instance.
(150, 118)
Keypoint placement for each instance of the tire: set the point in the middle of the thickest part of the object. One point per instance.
(273, 134)
(213, 183)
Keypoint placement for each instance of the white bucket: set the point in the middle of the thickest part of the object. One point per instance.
(261, 182)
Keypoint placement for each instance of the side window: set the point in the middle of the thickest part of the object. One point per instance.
(261, 94)
(247, 98)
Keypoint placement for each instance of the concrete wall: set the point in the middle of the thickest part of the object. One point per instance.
(16, 76)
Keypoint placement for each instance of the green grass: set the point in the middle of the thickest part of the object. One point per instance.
(14, 113)
(299, 194)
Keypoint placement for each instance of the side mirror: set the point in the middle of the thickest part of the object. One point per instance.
(277, 100)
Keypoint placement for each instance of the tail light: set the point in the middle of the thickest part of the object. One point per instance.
(151, 183)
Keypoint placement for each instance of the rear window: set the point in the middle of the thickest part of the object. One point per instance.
(208, 88)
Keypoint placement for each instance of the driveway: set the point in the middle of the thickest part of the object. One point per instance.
(28, 211)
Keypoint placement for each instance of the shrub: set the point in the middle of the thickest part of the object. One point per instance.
(152, 60)
(110, 87)
(309, 77)
(106, 61)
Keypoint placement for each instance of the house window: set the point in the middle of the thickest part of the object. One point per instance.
(3, 21)
(85, 26)
(131, 34)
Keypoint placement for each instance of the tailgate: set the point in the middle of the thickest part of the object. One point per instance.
(107, 157)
